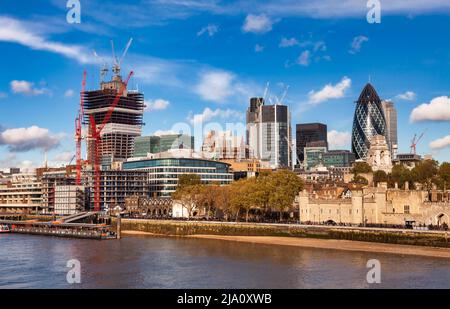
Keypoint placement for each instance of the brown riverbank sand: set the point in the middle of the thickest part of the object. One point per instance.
(347, 245)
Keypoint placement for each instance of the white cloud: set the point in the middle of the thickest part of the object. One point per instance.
(257, 23)
(357, 43)
(209, 114)
(258, 48)
(440, 143)
(320, 46)
(162, 132)
(16, 31)
(158, 104)
(330, 91)
(63, 157)
(437, 110)
(69, 93)
(210, 29)
(25, 87)
(338, 140)
(288, 42)
(408, 96)
(25, 139)
(304, 58)
(215, 86)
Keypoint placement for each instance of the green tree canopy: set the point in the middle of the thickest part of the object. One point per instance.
(380, 176)
(361, 168)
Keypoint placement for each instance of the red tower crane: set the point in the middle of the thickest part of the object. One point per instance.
(78, 133)
(95, 132)
(415, 140)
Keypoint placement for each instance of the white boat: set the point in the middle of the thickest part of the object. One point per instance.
(4, 228)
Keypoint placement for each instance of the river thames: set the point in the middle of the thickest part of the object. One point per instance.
(165, 262)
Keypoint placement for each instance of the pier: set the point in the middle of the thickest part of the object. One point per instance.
(63, 227)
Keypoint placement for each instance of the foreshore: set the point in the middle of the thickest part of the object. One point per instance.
(332, 244)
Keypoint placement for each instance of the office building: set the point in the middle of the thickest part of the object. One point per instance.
(368, 121)
(269, 133)
(223, 145)
(308, 133)
(390, 115)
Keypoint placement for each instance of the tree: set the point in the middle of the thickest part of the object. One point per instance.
(425, 172)
(400, 175)
(444, 174)
(283, 186)
(187, 196)
(188, 180)
(380, 176)
(360, 180)
(361, 168)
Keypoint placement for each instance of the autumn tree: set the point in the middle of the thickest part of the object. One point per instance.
(444, 174)
(283, 186)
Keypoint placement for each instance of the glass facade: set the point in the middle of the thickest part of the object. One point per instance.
(368, 121)
(163, 173)
(307, 133)
(338, 158)
(314, 156)
(146, 144)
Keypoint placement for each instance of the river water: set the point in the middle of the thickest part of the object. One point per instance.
(28, 261)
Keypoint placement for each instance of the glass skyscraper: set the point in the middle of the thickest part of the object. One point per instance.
(269, 133)
(368, 121)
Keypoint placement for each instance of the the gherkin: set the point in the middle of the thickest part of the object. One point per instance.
(368, 121)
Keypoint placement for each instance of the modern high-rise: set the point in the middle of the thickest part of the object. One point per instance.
(308, 133)
(368, 121)
(390, 114)
(223, 145)
(269, 133)
(144, 145)
(117, 136)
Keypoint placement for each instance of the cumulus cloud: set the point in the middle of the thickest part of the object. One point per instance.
(210, 30)
(330, 91)
(257, 23)
(209, 114)
(25, 139)
(437, 110)
(357, 43)
(440, 143)
(338, 140)
(158, 104)
(25, 87)
(305, 58)
(408, 96)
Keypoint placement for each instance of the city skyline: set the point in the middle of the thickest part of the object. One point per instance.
(228, 53)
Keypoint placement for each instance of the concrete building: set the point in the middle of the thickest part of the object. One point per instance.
(163, 171)
(390, 114)
(379, 155)
(308, 133)
(22, 193)
(408, 160)
(50, 179)
(69, 200)
(269, 133)
(223, 146)
(124, 125)
(376, 206)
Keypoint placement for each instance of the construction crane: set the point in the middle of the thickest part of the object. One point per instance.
(104, 69)
(95, 136)
(415, 140)
(78, 132)
(118, 62)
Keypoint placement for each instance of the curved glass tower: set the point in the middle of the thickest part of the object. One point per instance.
(368, 121)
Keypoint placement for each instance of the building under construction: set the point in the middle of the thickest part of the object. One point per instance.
(117, 136)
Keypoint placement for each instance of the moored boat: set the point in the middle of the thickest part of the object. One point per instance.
(4, 228)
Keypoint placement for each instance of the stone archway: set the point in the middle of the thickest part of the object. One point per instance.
(442, 218)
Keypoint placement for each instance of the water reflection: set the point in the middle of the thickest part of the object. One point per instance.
(158, 262)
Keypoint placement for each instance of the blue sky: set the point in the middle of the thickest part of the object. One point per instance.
(201, 60)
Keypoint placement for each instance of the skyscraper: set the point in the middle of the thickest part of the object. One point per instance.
(307, 133)
(269, 133)
(123, 126)
(390, 114)
(368, 121)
